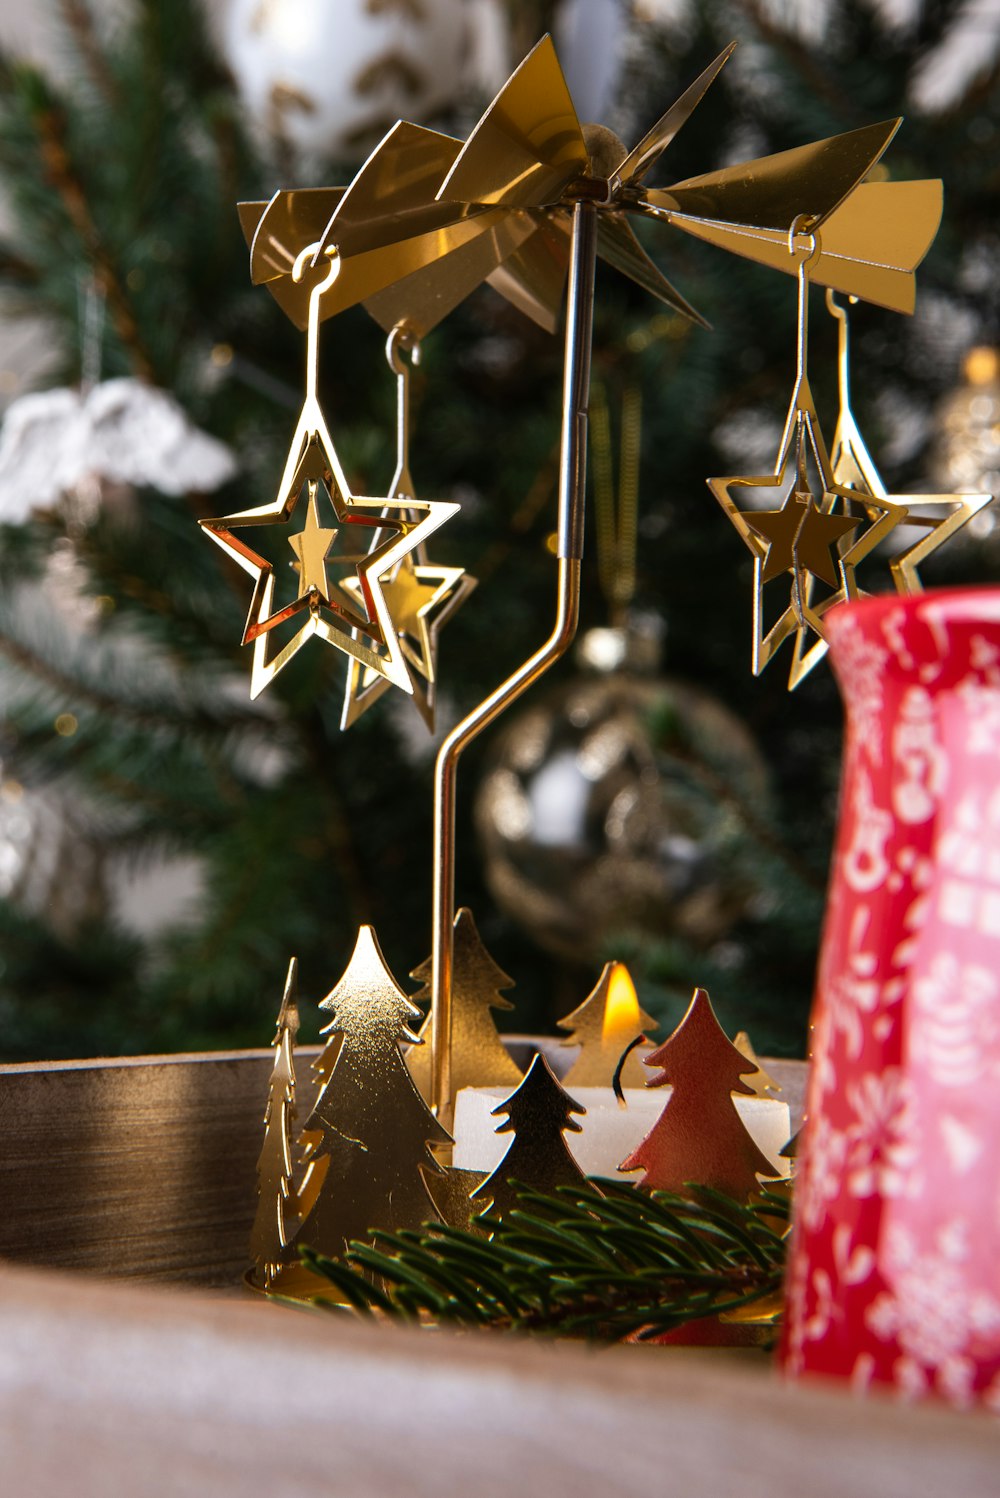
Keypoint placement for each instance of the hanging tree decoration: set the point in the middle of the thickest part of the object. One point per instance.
(699, 1137)
(479, 1057)
(373, 1127)
(277, 1207)
(537, 1114)
(68, 442)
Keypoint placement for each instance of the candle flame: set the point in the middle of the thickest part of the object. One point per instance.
(622, 1015)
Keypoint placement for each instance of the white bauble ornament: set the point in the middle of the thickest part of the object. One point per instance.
(330, 77)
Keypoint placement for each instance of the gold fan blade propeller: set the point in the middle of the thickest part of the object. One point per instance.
(277, 231)
(427, 218)
(772, 191)
(870, 246)
(529, 144)
(647, 153)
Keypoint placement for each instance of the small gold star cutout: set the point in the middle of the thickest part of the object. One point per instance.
(799, 538)
(311, 546)
(421, 602)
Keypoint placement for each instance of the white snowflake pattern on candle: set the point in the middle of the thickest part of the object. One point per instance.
(933, 1313)
(818, 1184)
(883, 1147)
(866, 862)
(894, 633)
(983, 708)
(858, 991)
(853, 1264)
(968, 854)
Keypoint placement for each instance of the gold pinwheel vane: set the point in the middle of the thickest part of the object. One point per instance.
(428, 218)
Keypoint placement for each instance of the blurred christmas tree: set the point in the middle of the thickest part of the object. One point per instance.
(127, 737)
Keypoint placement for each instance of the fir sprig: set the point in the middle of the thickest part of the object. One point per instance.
(580, 1264)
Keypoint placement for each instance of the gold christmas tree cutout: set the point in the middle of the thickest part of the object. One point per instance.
(314, 1165)
(452, 1193)
(761, 1082)
(369, 1122)
(608, 1020)
(276, 1221)
(699, 1137)
(537, 1114)
(479, 1057)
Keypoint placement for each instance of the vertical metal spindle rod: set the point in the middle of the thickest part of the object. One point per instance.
(572, 494)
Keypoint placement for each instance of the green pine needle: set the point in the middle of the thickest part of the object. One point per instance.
(576, 1264)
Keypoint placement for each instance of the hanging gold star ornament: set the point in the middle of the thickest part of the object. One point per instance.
(803, 537)
(854, 469)
(421, 597)
(360, 625)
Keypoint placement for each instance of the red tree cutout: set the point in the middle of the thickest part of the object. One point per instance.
(699, 1137)
(538, 1114)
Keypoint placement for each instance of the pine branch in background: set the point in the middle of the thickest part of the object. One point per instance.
(575, 1264)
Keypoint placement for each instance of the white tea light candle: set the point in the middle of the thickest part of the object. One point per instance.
(608, 1132)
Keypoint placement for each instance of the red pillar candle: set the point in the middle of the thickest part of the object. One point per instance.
(894, 1276)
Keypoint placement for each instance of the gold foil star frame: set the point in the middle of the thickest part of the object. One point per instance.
(803, 537)
(854, 468)
(361, 626)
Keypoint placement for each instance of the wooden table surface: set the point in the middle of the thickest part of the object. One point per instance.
(143, 1169)
(109, 1390)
